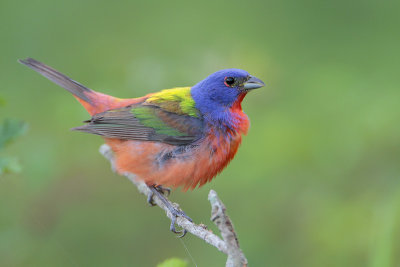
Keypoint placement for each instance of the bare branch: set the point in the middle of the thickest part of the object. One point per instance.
(229, 245)
(225, 226)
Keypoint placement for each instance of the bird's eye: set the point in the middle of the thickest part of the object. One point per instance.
(229, 81)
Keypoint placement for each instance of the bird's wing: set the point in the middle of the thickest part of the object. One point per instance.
(176, 100)
(146, 122)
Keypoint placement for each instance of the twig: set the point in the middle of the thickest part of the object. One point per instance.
(225, 226)
(228, 244)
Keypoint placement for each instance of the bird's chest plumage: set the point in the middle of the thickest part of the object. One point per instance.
(187, 166)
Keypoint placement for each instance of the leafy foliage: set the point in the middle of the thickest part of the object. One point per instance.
(9, 130)
(173, 262)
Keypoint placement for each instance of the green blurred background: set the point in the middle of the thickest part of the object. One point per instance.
(315, 183)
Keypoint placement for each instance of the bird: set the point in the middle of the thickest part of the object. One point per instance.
(178, 137)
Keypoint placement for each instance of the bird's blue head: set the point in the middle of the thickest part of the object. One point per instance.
(222, 89)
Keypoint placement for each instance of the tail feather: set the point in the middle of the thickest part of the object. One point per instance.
(94, 102)
(72, 86)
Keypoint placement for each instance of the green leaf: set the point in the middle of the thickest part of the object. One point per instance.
(173, 262)
(9, 165)
(9, 130)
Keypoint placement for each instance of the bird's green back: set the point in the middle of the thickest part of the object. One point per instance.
(176, 100)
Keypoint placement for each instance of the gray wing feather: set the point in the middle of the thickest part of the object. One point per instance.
(122, 124)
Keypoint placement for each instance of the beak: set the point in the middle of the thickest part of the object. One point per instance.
(253, 83)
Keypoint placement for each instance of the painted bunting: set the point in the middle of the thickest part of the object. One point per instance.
(176, 137)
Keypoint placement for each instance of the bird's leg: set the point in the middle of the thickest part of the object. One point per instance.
(150, 199)
(164, 190)
(174, 211)
(161, 189)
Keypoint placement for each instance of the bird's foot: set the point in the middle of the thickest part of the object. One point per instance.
(175, 212)
(159, 188)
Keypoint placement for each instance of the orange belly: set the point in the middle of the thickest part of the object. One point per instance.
(162, 164)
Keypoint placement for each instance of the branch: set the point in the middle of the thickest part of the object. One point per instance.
(228, 244)
(225, 226)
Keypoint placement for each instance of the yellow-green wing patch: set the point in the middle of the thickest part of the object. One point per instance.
(175, 100)
(149, 118)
